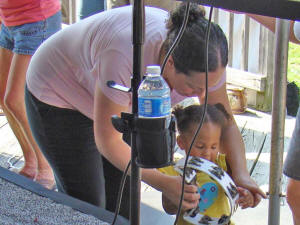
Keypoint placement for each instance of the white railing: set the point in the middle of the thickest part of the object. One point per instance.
(251, 55)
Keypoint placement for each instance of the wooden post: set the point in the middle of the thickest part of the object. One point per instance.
(246, 43)
(69, 11)
(230, 47)
(216, 15)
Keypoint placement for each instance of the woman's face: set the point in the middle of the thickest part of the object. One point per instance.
(193, 84)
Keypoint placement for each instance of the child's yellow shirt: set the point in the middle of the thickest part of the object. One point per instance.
(214, 202)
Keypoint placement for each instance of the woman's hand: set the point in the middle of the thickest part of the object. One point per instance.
(249, 184)
(172, 191)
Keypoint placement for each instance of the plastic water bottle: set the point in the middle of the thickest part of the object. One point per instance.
(154, 95)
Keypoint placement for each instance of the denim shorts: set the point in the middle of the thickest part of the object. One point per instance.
(291, 166)
(26, 38)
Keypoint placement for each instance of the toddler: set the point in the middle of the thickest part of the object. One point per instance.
(207, 146)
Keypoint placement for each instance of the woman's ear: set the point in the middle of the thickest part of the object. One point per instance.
(169, 72)
(170, 61)
(181, 142)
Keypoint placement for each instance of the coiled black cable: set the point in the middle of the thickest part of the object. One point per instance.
(120, 193)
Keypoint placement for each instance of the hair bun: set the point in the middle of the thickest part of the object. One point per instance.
(177, 16)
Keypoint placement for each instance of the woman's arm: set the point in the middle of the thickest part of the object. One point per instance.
(168, 206)
(270, 23)
(233, 146)
(112, 147)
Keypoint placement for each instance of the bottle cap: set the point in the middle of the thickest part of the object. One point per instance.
(153, 69)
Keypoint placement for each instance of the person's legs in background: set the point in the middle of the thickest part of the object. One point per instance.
(292, 170)
(293, 199)
(7, 77)
(8, 70)
(18, 44)
(87, 8)
(14, 102)
(167, 5)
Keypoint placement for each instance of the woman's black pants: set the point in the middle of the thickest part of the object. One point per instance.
(66, 138)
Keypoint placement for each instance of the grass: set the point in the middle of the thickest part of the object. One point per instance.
(294, 64)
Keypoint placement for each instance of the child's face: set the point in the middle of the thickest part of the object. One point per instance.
(206, 144)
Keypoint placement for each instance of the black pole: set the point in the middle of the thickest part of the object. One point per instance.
(138, 32)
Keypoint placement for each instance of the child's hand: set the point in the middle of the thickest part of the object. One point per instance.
(246, 199)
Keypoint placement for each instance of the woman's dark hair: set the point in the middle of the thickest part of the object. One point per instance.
(189, 54)
(191, 115)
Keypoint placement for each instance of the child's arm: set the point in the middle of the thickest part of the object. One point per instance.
(246, 198)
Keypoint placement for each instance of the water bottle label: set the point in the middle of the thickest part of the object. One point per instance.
(159, 107)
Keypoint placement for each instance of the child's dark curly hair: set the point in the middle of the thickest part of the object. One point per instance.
(192, 114)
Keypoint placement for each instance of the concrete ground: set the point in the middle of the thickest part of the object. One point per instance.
(254, 125)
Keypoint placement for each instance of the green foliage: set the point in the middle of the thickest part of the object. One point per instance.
(294, 64)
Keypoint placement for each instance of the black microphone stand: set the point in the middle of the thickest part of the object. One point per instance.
(138, 33)
(152, 141)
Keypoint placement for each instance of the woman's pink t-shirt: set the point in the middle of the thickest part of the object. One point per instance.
(66, 68)
(18, 12)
